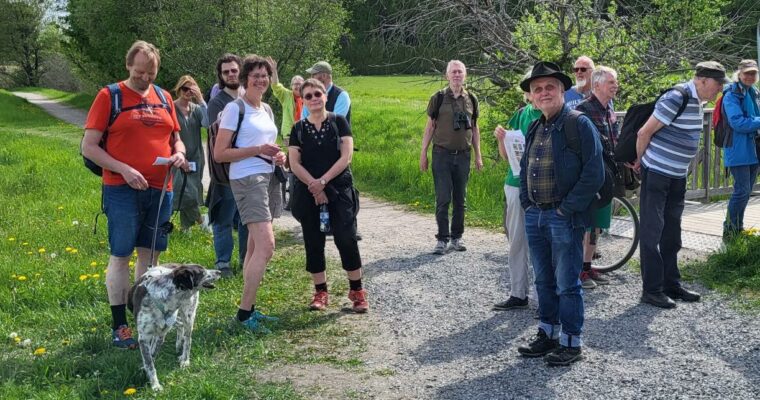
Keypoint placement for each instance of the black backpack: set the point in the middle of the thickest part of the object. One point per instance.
(635, 118)
(220, 172)
(439, 103)
(612, 174)
(116, 109)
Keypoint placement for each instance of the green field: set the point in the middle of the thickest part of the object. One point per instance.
(52, 269)
(388, 119)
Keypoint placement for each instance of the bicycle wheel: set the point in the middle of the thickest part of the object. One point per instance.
(616, 245)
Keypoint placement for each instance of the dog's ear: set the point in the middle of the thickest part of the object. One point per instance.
(186, 277)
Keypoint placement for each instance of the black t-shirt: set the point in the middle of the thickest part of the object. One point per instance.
(319, 146)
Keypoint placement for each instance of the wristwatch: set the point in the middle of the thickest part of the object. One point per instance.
(323, 182)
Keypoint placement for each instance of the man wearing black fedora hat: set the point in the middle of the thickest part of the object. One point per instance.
(560, 173)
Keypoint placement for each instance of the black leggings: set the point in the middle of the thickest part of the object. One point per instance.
(343, 230)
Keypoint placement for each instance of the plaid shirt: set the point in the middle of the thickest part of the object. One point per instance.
(604, 120)
(542, 186)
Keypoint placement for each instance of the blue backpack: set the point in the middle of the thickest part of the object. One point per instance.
(116, 109)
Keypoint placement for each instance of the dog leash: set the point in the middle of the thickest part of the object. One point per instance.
(158, 212)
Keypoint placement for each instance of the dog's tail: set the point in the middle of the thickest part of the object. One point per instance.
(130, 302)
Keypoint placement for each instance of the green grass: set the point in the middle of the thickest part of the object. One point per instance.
(52, 271)
(81, 101)
(388, 118)
(734, 270)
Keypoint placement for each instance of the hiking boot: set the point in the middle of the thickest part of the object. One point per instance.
(564, 356)
(540, 346)
(598, 277)
(440, 247)
(263, 317)
(511, 303)
(458, 245)
(319, 301)
(586, 281)
(359, 298)
(122, 338)
(254, 325)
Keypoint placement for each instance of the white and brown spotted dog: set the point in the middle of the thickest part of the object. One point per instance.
(165, 296)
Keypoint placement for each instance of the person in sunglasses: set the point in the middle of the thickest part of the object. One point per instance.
(192, 114)
(320, 150)
(220, 202)
(582, 70)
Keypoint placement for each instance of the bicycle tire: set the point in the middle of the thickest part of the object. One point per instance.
(631, 243)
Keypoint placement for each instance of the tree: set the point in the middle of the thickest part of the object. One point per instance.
(21, 47)
(191, 35)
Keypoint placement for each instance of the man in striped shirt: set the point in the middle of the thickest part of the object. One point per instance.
(666, 145)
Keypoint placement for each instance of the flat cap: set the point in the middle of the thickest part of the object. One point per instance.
(712, 69)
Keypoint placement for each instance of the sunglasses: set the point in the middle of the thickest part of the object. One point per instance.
(314, 95)
(230, 72)
(184, 89)
(581, 69)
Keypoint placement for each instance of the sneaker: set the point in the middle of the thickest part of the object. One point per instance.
(440, 248)
(458, 245)
(586, 281)
(263, 317)
(319, 301)
(122, 338)
(540, 346)
(511, 303)
(564, 356)
(359, 298)
(254, 325)
(598, 277)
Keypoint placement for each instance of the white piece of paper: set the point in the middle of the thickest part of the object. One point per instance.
(514, 141)
(161, 161)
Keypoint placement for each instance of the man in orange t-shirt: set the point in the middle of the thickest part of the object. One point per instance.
(145, 129)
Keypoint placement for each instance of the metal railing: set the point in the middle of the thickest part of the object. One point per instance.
(707, 175)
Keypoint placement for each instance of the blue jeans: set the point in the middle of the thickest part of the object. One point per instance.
(556, 250)
(223, 215)
(744, 180)
(450, 175)
(131, 217)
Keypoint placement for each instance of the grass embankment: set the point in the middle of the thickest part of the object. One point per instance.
(388, 118)
(81, 101)
(734, 270)
(52, 270)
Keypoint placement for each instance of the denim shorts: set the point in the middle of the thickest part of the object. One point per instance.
(131, 218)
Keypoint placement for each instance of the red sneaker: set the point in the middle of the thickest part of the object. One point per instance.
(359, 298)
(319, 301)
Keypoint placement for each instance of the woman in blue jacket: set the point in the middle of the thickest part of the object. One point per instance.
(741, 101)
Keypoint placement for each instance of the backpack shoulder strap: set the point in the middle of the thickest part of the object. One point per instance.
(115, 92)
(160, 94)
(333, 122)
(438, 103)
(686, 96)
(241, 114)
(299, 131)
(475, 107)
(571, 131)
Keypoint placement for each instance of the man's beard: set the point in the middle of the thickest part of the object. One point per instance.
(233, 86)
(580, 83)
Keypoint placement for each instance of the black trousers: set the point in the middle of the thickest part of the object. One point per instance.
(661, 204)
(342, 221)
(450, 175)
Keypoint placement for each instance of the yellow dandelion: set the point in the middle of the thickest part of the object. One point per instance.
(130, 391)
(41, 250)
(17, 339)
(74, 251)
(131, 263)
(68, 248)
(22, 278)
(25, 244)
(40, 351)
(11, 239)
(94, 264)
(82, 277)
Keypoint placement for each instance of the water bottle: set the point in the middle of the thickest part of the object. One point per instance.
(324, 219)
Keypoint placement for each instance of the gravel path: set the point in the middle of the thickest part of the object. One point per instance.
(436, 331)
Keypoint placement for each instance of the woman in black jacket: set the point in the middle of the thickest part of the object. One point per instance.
(320, 151)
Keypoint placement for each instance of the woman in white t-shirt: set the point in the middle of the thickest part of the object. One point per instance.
(252, 159)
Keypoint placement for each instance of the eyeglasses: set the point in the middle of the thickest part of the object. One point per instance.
(184, 88)
(230, 72)
(581, 69)
(309, 96)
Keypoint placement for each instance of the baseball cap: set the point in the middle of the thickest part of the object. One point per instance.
(320, 67)
(748, 65)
